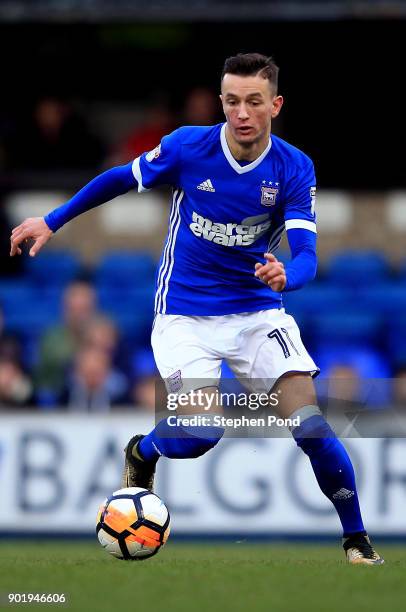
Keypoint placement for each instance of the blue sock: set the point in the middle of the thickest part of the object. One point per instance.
(147, 448)
(333, 470)
(178, 441)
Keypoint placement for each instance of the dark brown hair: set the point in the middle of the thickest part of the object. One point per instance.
(251, 64)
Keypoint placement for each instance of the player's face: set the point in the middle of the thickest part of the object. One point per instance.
(249, 104)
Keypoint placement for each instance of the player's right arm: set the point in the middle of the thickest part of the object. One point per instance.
(157, 167)
(106, 186)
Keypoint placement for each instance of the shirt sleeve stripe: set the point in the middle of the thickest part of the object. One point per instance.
(301, 224)
(137, 175)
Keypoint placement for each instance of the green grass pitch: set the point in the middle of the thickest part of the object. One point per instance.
(200, 577)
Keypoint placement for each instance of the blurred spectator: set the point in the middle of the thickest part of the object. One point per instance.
(201, 107)
(60, 343)
(145, 375)
(157, 122)
(344, 383)
(348, 384)
(56, 138)
(10, 348)
(348, 363)
(399, 388)
(15, 387)
(101, 333)
(94, 386)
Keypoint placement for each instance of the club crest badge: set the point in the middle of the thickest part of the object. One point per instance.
(268, 195)
(153, 154)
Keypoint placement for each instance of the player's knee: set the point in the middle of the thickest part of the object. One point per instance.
(314, 434)
(179, 441)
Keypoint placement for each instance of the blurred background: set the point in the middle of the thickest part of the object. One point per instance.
(92, 84)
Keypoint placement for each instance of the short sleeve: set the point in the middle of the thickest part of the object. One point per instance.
(159, 166)
(300, 199)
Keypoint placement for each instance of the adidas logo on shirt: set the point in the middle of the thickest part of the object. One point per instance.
(343, 494)
(206, 186)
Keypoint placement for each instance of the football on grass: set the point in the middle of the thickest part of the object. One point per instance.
(132, 524)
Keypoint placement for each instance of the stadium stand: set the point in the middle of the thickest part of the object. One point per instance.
(334, 312)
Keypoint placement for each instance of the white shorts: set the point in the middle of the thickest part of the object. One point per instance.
(258, 346)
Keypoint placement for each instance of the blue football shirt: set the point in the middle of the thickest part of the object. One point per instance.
(224, 216)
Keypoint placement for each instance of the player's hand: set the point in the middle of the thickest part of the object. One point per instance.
(272, 273)
(34, 229)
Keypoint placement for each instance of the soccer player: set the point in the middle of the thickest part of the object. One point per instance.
(219, 286)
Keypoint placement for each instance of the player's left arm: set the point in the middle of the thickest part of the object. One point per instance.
(300, 224)
(303, 266)
(301, 269)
